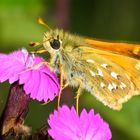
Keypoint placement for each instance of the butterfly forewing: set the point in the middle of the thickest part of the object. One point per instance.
(132, 50)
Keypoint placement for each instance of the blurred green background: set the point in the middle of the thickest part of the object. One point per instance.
(104, 19)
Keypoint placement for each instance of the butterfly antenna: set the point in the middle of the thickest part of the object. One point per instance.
(42, 22)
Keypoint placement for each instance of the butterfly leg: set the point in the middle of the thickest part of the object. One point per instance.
(61, 85)
(35, 66)
(78, 93)
(39, 64)
(65, 85)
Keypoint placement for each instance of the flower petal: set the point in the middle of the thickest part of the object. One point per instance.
(66, 124)
(9, 69)
(39, 81)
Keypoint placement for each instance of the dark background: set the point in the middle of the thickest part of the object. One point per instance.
(103, 19)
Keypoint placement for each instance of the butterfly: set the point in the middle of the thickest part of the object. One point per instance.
(110, 71)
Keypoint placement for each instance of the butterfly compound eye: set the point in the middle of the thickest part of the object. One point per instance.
(55, 44)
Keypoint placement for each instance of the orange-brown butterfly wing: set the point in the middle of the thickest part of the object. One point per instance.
(122, 61)
(124, 54)
(132, 50)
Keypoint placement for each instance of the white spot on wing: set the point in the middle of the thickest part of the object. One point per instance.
(114, 85)
(92, 73)
(100, 72)
(104, 65)
(122, 85)
(90, 61)
(110, 87)
(102, 84)
(114, 74)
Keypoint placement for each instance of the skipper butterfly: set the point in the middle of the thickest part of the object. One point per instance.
(108, 70)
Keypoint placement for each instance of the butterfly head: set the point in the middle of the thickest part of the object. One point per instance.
(53, 41)
(56, 41)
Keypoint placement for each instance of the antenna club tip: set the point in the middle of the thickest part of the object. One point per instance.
(40, 20)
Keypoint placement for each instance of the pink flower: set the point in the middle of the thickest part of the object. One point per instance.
(38, 80)
(65, 124)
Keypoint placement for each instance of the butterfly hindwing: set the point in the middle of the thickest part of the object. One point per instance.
(112, 78)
